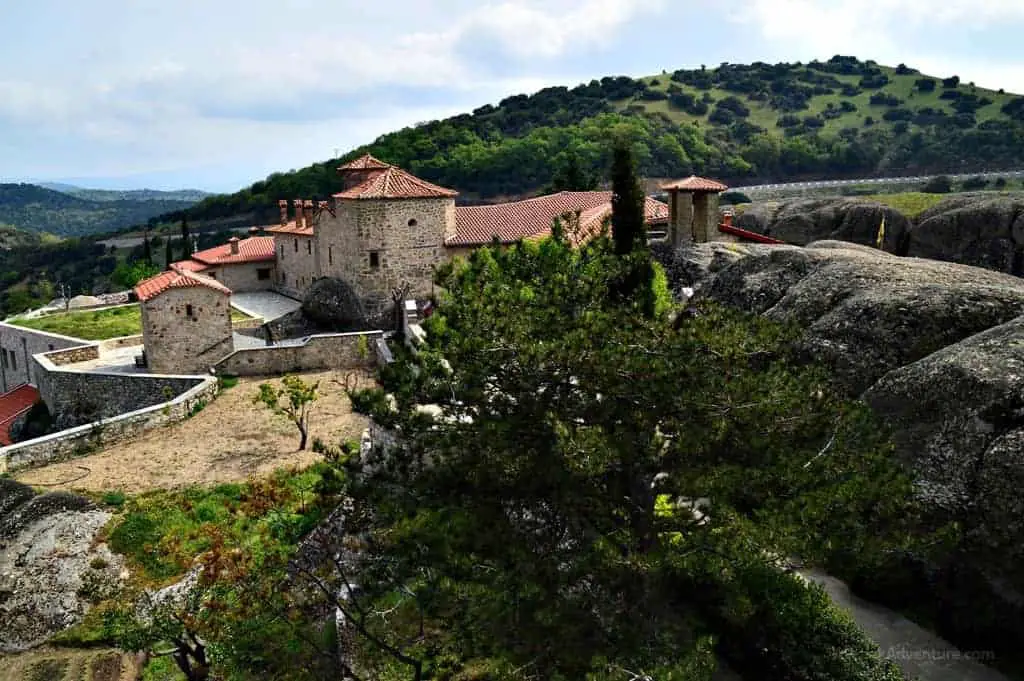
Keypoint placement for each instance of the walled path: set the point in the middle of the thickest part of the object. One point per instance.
(919, 653)
(228, 441)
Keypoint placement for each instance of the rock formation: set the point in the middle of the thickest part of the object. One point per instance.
(51, 568)
(802, 221)
(981, 229)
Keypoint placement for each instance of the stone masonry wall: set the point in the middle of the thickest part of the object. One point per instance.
(17, 345)
(90, 436)
(83, 353)
(75, 397)
(177, 343)
(244, 276)
(296, 262)
(378, 245)
(316, 353)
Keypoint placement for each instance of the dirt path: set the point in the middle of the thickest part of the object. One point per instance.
(228, 441)
(919, 653)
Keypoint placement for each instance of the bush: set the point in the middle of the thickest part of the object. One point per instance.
(925, 84)
(941, 184)
(1000, 182)
(735, 198)
(115, 499)
(885, 99)
(722, 117)
(951, 83)
(973, 183)
(788, 121)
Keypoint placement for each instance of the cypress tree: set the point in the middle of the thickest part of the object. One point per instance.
(147, 250)
(168, 251)
(628, 230)
(186, 241)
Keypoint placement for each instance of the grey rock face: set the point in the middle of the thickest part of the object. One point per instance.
(333, 303)
(802, 221)
(983, 229)
(50, 569)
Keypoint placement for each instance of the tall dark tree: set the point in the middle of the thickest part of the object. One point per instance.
(147, 250)
(628, 230)
(186, 240)
(168, 251)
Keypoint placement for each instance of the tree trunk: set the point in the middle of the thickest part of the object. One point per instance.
(302, 440)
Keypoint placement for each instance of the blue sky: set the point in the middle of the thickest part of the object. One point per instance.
(213, 94)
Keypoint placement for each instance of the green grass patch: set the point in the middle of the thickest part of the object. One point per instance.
(112, 322)
(161, 532)
(910, 204)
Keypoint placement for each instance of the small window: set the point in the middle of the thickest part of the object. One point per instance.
(50, 345)
(296, 245)
(412, 222)
(284, 279)
(14, 361)
(330, 255)
(263, 274)
(188, 310)
(374, 260)
(282, 250)
(5, 358)
(213, 275)
(309, 247)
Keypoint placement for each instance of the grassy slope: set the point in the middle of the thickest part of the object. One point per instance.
(96, 325)
(763, 115)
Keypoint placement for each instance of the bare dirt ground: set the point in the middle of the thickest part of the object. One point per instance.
(230, 440)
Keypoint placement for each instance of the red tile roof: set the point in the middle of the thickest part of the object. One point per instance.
(154, 286)
(395, 183)
(695, 184)
(13, 404)
(290, 228)
(188, 265)
(476, 225)
(365, 162)
(252, 249)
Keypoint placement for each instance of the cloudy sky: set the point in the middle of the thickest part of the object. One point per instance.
(215, 94)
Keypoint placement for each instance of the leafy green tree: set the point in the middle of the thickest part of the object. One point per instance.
(572, 177)
(128, 274)
(294, 400)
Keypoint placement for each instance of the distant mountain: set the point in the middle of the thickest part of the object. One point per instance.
(744, 124)
(187, 195)
(34, 208)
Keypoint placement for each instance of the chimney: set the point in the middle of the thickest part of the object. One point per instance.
(299, 218)
(233, 241)
(283, 205)
(307, 212)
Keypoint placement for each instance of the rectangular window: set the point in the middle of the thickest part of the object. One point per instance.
(263, 274)
(296, 245)
(282, 250)
(50, 346)
(330, 255)
(5, 359)
(188, 310)
(14, 361)
(374, 260)
(309, 247)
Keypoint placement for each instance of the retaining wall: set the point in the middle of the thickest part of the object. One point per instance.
(313, 353)
(18, 345)
(86, 438)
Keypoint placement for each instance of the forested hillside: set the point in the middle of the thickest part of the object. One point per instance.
(37, 209)
(740, 123)
(189, 195)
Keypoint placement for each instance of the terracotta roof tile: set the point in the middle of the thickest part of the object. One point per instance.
(13, 404)
(395, 183)
(365, 162)
(188, 265)
(476, 225)
(290, 228)
(154, 286)
(696, 184)
(252, 249)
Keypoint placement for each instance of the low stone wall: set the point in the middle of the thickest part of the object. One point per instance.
(75, 397)
(82, 353)
(122, 342)
(314, 353)
(105, 432)
(251, 323)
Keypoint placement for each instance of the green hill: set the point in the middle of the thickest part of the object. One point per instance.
(741, 123)
(186, 195)
(37, 209)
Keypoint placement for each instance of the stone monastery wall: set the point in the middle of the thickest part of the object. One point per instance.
(314, 353)
(17, 345)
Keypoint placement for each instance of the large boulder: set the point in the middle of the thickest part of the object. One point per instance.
(986, 230)
(801, 221)
(52, 568)
(863, 312)
(334, 305)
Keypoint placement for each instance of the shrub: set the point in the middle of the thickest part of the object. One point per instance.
(973, 183)
(869, 121)
(940, 184)
(227, 382)
(925, 84)
(898, 114)
(1000, 182)
(885, 99)
(115, 499)
(951, 83)
(735, 198)
(722, 116)
(874, 81)
(788, 121)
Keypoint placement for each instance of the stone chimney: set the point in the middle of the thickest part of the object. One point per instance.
(307, 213)
(283, 205)
(299, 217)
(233, 242)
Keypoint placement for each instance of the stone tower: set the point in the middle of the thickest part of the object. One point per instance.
(186, 322)
(385, 230)
(693, 210)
